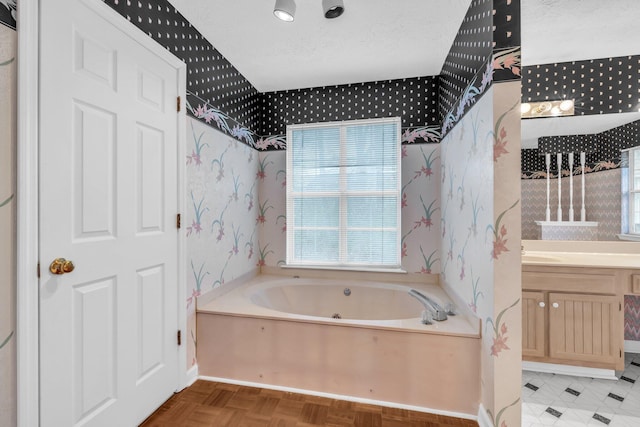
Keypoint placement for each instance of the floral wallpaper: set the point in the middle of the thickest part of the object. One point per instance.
(481, 237)
(468, 223)
(8, 46)
(220, 224)
(421, 213)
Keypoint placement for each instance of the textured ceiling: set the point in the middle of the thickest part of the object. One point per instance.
(571, 30)
(373, 40)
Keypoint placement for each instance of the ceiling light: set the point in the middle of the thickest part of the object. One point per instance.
(285, 10)
(532, 110)
(332, 8)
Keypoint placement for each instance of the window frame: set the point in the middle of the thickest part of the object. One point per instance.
(633, 192)
(343, 194)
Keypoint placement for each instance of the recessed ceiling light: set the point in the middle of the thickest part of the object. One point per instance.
(524, 108)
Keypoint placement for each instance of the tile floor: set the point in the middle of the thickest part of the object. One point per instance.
(565, 401)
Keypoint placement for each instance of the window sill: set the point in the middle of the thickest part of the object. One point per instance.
(398, 270)
(629, 237)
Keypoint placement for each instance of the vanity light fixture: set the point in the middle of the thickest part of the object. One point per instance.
(332, 8)
(530, 110)
(285, 10)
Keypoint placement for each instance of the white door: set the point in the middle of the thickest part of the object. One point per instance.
(108, 203)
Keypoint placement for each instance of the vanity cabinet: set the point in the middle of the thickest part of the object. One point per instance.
(573, 315)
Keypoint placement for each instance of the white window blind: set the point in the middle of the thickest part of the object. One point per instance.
(343, 194)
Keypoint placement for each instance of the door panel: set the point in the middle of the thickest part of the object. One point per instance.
(583, 327)
(533, 324)
(94, 347)
(108, 200)
(95, 172)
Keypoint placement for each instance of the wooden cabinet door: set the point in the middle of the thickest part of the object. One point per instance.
(585, 328)
(533, 324)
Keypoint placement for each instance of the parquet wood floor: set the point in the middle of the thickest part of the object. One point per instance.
(208, 403)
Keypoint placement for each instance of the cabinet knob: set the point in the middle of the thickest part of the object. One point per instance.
(541, 304)
(555, 305)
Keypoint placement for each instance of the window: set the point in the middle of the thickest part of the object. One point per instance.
(343, 194)
(634, 191)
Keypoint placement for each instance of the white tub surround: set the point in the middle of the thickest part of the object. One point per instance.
(256, 333)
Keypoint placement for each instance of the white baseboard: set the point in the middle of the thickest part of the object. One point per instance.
(192, 375)
(343, 397)
(632, 346)
(576, 371)
(483, 417)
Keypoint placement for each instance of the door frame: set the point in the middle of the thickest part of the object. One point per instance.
(27, 241)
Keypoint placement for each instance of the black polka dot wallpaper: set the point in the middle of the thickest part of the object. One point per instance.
(506, 24)
(210, 76)
(469, 53)
(598, 86)
(570, 143)
(415, 100)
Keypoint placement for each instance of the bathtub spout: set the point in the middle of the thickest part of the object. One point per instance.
(430, 305)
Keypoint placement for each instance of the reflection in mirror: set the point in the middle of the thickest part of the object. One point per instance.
(607, 121)
(586, 52)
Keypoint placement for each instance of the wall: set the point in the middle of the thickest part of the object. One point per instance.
(220, 225)
(467, 198)
(481, 243)
(8, 46)
(481, 139)
(415, 101)
(421, 214)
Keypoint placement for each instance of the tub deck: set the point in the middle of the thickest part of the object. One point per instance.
(235, 303)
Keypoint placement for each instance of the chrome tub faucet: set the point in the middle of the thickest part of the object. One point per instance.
(438, 313)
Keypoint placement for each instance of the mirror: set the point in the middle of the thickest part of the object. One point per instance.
(562, 59)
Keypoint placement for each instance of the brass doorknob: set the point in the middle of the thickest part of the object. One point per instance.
(61, 266)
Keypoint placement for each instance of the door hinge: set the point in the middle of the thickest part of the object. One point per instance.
(178, 221)
(619, 306)
(178, 104)
(179, 336)
(38, 270)
(620, 352)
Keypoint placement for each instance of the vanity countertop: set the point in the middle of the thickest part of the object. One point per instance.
(581, 259)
